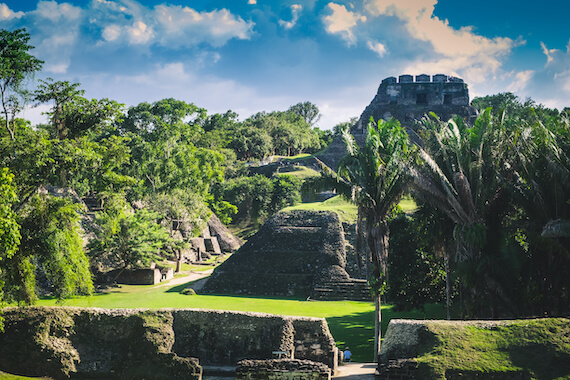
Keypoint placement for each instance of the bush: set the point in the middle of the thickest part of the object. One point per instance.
(188, 292)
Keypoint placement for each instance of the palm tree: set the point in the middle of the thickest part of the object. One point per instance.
(374, 178)
(457, 171)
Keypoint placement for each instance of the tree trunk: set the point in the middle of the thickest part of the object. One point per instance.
(378, 242)
(178, 260)
(447, 285)
(377, 327)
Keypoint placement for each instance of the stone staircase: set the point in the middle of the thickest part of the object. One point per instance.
(345, 289)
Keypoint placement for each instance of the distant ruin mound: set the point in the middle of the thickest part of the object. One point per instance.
(294, 254)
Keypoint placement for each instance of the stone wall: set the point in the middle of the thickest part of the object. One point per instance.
(63, 342)
(282, 369)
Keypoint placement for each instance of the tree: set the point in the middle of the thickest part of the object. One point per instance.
(72, 115)
(51, 252)
(161, 139)
(16, 64)
(183, 214)
(132, 239)
(374, 178)
(459, 172)
(9, 227)
(252, 196)
(308, 111)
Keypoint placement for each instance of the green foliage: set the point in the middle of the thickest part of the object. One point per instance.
(417, 274)
(161, 145)
(286, 192)
(16, 64)
(134, 239)
(73, 115)
(51, 251)
(308, 111)
(251, 195)
(180, 211)
(188, 292)
(258, 197)
(9, 228)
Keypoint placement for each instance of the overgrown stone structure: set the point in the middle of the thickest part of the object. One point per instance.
(298, 253)
(65, 342)
(408, 99)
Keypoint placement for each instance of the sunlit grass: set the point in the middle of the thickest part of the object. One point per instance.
(346, 211)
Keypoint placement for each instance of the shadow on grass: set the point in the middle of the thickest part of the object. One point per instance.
(355, 331)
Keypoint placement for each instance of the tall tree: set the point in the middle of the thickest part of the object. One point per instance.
(374, 177)
(51, 251)
(16, 64)
(458, 172)
(9, 228)
(308, 111)
(72, 115)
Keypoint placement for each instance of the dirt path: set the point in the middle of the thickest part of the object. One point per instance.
(362, 371)
(190, 276)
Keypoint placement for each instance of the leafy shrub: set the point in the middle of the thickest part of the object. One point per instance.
(188, 292)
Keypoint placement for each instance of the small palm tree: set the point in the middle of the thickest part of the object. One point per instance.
(373, 177)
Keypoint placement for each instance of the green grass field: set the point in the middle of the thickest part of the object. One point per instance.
(350, 322)
(346, 211)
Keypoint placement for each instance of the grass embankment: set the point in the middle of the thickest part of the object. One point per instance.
(539, 347)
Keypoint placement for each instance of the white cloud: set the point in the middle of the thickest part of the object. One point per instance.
(521, 80)
(111, 32)
(55, 30)
(476, 57)
(8, 14)
(183, 26)
(548, 52)
(139, 33)
(377, 48)
(342, 21)
(295, 9)
(253, 2)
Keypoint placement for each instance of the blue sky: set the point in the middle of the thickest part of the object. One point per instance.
(262, 55)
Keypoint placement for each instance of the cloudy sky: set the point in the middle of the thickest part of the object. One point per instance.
(266, 55)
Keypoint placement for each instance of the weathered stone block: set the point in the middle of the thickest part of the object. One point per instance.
(290, 369)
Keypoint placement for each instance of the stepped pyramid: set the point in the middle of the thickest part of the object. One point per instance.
(297, 253)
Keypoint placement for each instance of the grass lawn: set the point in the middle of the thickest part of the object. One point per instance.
(346, 211)
(350, 322)
(301, 172)
(540, 347)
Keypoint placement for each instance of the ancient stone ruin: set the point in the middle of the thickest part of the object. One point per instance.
(65, 342)
(298, 253)
(408, 99)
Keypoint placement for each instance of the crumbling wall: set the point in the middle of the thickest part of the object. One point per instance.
(94, 343)
(282, 369)
(64, 342)
(226, 337)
